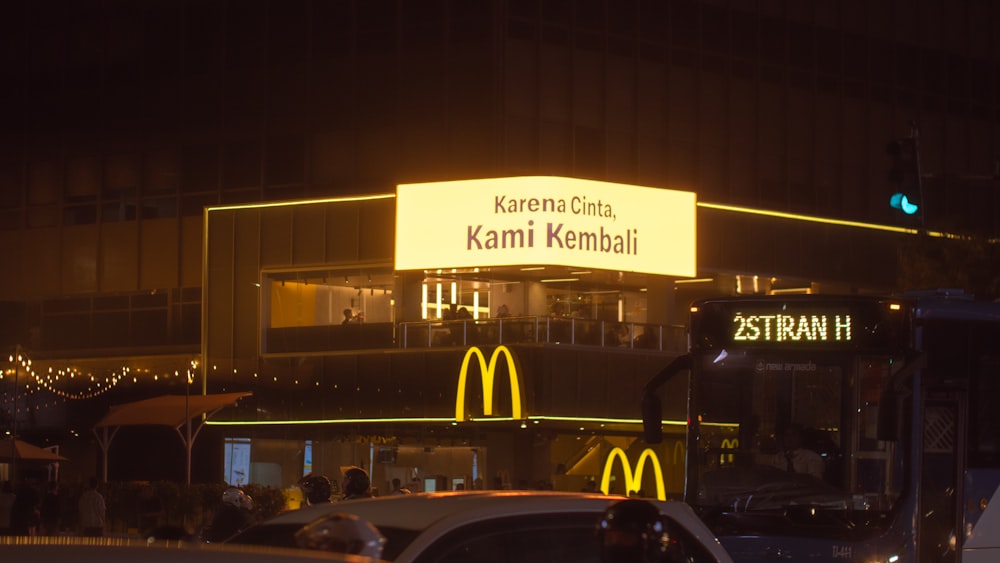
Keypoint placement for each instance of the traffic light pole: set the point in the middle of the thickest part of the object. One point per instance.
(915, 135)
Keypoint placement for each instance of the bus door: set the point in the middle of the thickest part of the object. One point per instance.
(942, 455)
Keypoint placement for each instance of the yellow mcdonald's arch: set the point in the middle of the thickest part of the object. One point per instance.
(729, 444)
(487, 371)
(634, 480)
(679, 452)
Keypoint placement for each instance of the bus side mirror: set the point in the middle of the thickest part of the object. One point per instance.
(652, 418)
(888, 417)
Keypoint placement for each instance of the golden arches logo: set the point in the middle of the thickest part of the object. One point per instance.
(729, 444)
(680, 452)
(486, 372)
(634, 480)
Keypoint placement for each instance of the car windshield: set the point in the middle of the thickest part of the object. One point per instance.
(283, 535)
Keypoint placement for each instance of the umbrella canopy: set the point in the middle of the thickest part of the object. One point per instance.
(176, 411)
(18, 450)
(168, 410)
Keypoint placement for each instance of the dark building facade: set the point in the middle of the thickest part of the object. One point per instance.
(126, 120)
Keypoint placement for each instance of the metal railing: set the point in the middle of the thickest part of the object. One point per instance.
(542, 330)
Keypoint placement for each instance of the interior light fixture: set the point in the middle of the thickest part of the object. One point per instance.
(554, 280)
(532, 268)
(792, 291)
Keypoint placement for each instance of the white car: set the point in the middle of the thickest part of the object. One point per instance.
(488, 526)
(130, 550)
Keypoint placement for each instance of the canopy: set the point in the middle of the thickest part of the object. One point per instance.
(175, 411)
(168, 410)
(17, 450)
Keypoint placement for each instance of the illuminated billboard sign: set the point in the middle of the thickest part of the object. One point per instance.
(487, 372)
(545, 220)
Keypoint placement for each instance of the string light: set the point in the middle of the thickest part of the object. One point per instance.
(59, 380)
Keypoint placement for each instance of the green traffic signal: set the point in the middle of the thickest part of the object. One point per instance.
(902, 202)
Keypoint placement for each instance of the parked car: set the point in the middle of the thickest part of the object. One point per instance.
(130, 550)
(487, 526)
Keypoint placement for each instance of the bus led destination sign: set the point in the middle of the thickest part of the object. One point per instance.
(790, 328)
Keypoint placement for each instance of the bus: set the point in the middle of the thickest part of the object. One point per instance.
(899, 397)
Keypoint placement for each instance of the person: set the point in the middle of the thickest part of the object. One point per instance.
(617, 335)
(503, 311)
(230, 518)
(349, 317)
(795, 458)
(468, 326)
(6, 504)
(24, 513)
(356, 484)
(398, 488)
(634, 531)
(341, 532)
(648, 338)
(316, 488)
(50, 511)
(92, 510)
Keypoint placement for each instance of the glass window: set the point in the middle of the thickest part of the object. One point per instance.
(201, 168)
(44, 181)
(162, 172)
(285, 160)
(80, 215)
(527, 539)
(305, 310)
(159, 207)
(241, 165)
(83, 178)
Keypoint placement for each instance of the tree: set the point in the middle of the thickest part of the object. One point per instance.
(971, 264)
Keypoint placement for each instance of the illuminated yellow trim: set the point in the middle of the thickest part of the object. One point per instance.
(721, 424)
(486, 373)
(300, 202)
(535, 419)
(814, 219)
(603, 420)
(320, 421)
(633, 480)
(792, 291)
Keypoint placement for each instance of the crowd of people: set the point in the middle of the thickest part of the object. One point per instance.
(32, 510)
(630, 530)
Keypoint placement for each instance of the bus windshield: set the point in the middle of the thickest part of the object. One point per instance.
(790, 426)
(854, 428)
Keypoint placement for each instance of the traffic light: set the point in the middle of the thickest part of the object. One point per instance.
(904, 175)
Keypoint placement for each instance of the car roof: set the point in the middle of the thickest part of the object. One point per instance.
(420, 510)
(444, 510)
(45, 549)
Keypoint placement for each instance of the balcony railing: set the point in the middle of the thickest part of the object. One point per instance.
(542, 330)
(485, 332)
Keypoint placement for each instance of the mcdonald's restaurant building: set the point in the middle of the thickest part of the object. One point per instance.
(483, 333)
